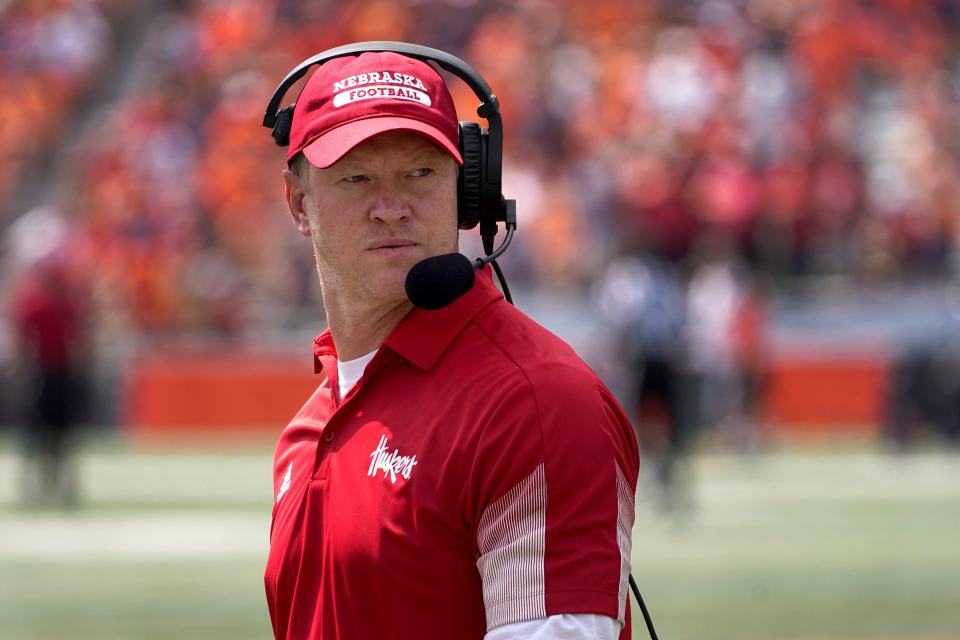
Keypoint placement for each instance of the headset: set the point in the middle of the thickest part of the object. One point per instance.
(479, 192)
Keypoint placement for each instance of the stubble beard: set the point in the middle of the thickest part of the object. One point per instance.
(376, 289)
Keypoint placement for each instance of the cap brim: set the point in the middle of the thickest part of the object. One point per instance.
(336, 143)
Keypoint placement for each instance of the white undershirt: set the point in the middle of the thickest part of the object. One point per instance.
(565, 626)
(578, 626)
(350, 371)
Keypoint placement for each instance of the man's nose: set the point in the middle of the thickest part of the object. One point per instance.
(390, 205)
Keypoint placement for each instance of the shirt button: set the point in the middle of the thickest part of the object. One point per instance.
(328, 436)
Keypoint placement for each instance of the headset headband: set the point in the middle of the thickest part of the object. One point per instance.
(488, 109)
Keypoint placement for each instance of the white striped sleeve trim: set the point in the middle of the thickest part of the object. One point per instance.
(511, 539)
(625, 515)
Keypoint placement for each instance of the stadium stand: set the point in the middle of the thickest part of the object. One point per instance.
(794, 130)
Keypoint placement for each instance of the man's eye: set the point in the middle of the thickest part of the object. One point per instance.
(354, 179)
(422, 171)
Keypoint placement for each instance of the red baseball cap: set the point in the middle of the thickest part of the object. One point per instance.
(352, 99)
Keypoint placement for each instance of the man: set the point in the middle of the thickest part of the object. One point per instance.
(458, 473)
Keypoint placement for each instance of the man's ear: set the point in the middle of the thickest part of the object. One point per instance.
(293, 191)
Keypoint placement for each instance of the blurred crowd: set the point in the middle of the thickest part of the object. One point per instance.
(50, 53)
(810, 137)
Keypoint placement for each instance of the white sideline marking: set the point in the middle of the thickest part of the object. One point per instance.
(132, 536)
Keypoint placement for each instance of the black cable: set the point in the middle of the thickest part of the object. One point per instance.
(643, 608)
(503, 281)
(488, 247)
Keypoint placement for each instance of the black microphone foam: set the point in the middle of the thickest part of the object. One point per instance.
(436, 282)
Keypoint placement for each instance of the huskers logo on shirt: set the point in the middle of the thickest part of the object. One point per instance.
(392, 464)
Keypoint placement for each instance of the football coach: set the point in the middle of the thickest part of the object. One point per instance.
(459, 472)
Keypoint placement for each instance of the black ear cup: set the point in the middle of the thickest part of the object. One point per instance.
(471, 175)
(281, 129)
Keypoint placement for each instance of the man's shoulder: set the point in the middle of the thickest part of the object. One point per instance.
(540, 382)
(529, 354)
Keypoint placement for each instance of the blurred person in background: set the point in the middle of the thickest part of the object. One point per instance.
(49, 313)
(724, 337)
(640, 296)
(924, 400)
(411, 487)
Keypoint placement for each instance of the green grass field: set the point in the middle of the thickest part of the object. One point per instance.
(171, 544)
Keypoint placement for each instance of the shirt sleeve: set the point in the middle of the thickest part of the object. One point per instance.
(552, 494)
(577, 626)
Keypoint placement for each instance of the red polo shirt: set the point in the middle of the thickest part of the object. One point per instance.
(478, 474)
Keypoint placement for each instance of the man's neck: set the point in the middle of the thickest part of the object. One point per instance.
(358, 329)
